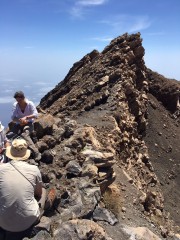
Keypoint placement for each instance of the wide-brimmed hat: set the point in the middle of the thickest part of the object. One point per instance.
(18, 150)
(1, 127)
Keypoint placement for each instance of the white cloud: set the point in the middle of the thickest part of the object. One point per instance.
(8, 91)
(102, 39)
(40, 83)
(127, 23)
(6, 100)
(8, 84)
(27, 86)
(29, 47)
(44, 90)
(80, 6)
(5, 80)
(76, 12)
(140, 24)
(90, 2)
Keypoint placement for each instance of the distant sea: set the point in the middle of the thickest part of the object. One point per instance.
(5, 113)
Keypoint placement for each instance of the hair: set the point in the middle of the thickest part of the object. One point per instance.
(19, 94)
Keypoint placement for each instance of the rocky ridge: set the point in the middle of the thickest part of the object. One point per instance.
(93, 133)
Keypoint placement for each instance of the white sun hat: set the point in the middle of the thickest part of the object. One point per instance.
(18, 150)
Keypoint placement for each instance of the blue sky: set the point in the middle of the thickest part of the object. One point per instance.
(41, 39)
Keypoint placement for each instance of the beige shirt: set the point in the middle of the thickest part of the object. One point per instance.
(18, 207)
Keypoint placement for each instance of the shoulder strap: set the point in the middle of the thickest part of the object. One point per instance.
(22, 174)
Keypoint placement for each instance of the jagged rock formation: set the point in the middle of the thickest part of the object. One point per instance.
(164, 90)
(97, 147)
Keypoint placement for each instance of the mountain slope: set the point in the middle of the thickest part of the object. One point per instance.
(114, 132)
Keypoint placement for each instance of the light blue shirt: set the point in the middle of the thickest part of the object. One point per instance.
(29, 110)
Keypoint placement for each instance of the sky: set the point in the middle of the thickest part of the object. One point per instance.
(40, 40)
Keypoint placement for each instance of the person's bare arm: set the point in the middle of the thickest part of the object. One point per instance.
(7, 144)
(38, 191)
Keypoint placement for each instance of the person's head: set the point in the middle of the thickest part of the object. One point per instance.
(1, 127)
(18, 150)
(19, 96)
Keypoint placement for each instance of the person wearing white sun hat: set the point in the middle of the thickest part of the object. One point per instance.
(20, 189)
(4, 142)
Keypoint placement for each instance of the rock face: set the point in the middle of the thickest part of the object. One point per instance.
(98, 151)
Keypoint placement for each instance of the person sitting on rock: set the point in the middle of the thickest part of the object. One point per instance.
(4, 142)
(23, 115)
(22, 196)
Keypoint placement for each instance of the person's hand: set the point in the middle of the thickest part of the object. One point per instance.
(23, 121)
(7, 144)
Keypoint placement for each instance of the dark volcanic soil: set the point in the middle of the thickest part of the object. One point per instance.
(163, 141)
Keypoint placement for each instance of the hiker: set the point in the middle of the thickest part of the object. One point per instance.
(23, 115)
(22, 197)
(4, 142)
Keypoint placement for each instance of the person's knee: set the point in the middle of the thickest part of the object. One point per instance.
(26, 129)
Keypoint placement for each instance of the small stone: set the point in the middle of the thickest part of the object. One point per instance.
(123, 209)
(131, 180)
